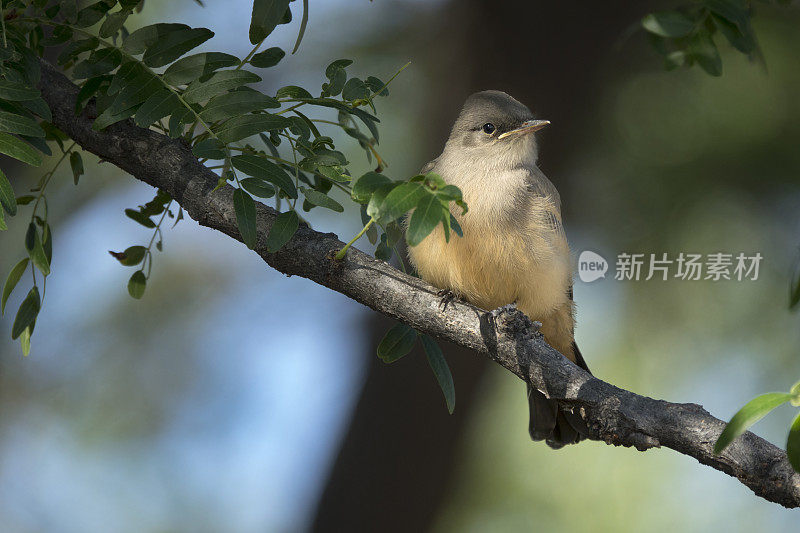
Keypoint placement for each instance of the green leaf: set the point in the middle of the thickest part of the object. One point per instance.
(376, 86)
(33, 243)
(138, 41)
(240, 128)
(333, 174)
(17, 92)
(47, 242)
(140, 217)
(125, 75)
(367, 184)
(793, 444)
(137, 284)
(196, 66)
(139, 90)
(282, 230)
(99, 62)
(218, 83)
(174, 45)
(91, 15)
(397, 343)
(245, 208)
(675, 59)
(266, 15)
(293, 91)
(268, 58)
(178, 120)
(114, 23)
(18, 149)
(303, 24)
(383, 251)
(425, 218)
(39, 107)
(25, 341)
(12, 123)
(337, 78)
(132, 256)
(355, 89)
(11, 282)
(668, 24)
(257, 187)
(109, 117)
(27, 313)
(258, 167)
(401, 200)
(703, 50)
(7, 199)
(742, 40)
(74, 49)
(748, 415)
(441, 370)
(88, 90)
(322, 200)
(209, 149)
(76, 163)
(156, 107)
(456, 226)
(236, 103)
(735, 11)
(795, 392)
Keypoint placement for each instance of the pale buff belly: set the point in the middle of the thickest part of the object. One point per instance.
(490, 269)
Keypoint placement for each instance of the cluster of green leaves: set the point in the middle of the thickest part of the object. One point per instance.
(384, 202)
(685, 36)
(758, 408)
(268, 146)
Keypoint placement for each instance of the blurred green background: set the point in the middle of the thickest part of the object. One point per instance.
(234, 399)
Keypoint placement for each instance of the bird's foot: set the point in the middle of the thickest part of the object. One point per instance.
(504, 309)
(446, 296)
(495, 315)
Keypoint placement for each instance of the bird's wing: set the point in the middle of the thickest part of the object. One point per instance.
(539, 185)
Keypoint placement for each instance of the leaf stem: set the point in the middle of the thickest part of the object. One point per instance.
(296, 168)
(290, 108)
(385, 85)
(340, 254)
(156, 232)
(244, 61)
(47, 177)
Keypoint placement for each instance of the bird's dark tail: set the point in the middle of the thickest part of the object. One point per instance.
(557, 426)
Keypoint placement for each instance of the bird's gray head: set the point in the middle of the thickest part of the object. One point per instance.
(494, 125)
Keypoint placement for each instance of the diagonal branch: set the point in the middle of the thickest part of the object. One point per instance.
(616, 416)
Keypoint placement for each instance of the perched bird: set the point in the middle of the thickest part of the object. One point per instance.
(513, 248)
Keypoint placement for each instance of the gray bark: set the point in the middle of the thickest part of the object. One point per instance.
(614, 415)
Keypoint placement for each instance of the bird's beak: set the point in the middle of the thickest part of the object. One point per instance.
(529, 126)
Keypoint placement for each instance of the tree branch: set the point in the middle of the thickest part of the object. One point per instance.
(616, 416)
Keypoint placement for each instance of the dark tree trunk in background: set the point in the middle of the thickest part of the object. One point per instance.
(398, 458)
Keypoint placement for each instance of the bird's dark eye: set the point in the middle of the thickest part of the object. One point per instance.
(488, 128)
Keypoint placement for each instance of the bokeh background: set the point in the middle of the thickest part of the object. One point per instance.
(232, 398)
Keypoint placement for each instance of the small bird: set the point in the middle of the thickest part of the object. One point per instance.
(513, 249)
